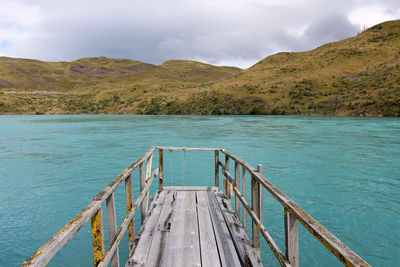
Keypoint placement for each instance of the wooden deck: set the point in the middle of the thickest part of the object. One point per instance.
(189, 226)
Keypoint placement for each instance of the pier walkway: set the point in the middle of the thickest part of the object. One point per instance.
(189, 226)
(193, 226)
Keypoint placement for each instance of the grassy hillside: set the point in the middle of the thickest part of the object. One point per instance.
(356, 76)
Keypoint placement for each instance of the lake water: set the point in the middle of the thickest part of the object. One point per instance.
(345, 172)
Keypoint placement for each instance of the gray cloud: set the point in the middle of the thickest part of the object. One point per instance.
(216, 31)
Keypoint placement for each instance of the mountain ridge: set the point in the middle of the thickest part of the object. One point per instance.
(357, 76)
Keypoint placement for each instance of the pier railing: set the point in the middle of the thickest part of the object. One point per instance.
(292, 214)
(231, 185)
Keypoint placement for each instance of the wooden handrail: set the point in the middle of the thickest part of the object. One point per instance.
(271, 243)
(128, 218)
(47, 251)
(187, 148)
(331, 242)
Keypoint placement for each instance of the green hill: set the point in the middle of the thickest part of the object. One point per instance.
(356, 76)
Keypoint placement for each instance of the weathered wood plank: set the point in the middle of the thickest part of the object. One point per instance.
(228, 177)
(112, 228)
(244, 193)
(145, 235)
(143, 208)
(255, 206)
(97, 236)
(182, 247)
(247, 254)
(226, 248)
(187, 148)
(260, 194)
(217, 169)
(161, 231)
(208, 244)
(237, 184)
(161, 169)
(145, 203)
(129, 204)
(291, 239)
(190, 188)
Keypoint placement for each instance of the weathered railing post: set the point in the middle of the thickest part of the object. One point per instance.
(217, 169)
(97, 237)
(112, 227)
(260, 200)
(129, 204)
(142, 171)
(161, 170)
(148, 175)
(244, 193)
(237, 181)
(291, 238)
(256, 205)
(227, 189)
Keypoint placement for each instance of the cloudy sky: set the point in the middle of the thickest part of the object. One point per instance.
(222, 32)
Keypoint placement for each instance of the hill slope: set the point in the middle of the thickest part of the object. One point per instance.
(356, 76)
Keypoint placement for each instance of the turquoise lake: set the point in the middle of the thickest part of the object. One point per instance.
(345, 172)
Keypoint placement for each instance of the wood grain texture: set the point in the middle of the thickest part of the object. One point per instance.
(143, 208)
(244, 193)
(291, 239)
(237, 184)
(97, 236)
(162, 231)
(161, 169)
(255, 206)
(129, 204)
(227, 251)
(182, 245)
(112, 228)
(145, 235)
(216, 169)
(246, 253)
(208, 244)
(190, 188)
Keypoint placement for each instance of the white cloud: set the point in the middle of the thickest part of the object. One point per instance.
(371, 15)
(17, 22)
(234, 32)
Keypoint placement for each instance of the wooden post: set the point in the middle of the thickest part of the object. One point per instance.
(228, 188)
(255, 206)
(129, 204)
(112, 227)
(97, 237)
(260, 188)
(217, 169)
(225, 185)
(161, 170)
(237, 181)
(291, 238)
(148, 175)
(142, 170)
(244, 193)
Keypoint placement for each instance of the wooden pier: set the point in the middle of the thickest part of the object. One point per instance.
(193, 226)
